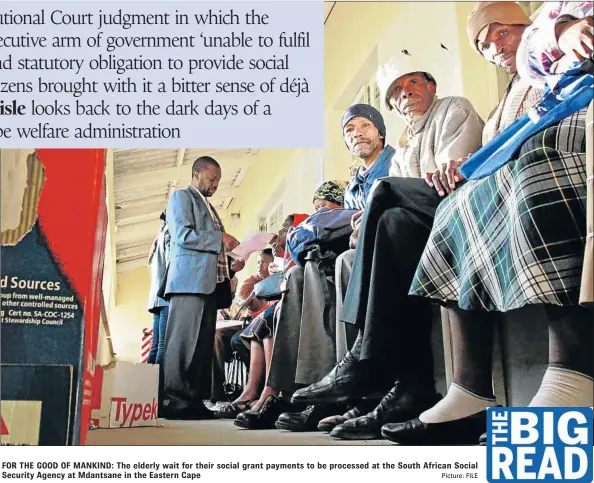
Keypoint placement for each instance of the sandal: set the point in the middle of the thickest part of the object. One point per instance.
(232, 409)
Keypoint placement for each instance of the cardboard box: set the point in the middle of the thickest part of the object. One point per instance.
(129, 396)
(54, 223)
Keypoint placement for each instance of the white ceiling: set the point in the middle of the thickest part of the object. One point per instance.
(143, 180)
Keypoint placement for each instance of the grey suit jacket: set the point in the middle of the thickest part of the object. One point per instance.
(195, 245)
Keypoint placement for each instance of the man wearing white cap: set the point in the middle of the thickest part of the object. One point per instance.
(393, 342)
(438, 129)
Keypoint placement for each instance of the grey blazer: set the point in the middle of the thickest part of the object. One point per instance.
(195, 245)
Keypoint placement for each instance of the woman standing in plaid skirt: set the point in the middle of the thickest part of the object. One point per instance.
(513, 238)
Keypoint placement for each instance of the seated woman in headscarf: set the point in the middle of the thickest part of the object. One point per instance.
(330, 195)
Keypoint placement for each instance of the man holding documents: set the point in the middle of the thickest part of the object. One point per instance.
(198, 274)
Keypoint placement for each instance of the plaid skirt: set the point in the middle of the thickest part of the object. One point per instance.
(516, 237)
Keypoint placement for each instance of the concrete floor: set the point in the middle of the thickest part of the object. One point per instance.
(218, 432)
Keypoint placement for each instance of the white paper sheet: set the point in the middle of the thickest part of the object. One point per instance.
(254, 242)
(225, 324)
(277, 265)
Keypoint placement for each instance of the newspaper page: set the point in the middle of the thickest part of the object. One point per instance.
(433, 319)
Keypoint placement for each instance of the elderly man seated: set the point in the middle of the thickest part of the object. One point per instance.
(393, 342)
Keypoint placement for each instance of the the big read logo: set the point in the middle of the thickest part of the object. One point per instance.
(540, 444)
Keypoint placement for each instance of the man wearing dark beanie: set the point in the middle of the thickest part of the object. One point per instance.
(364, 133)
(303, 359)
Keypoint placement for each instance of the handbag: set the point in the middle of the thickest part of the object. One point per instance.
(273, 287)
(235, 377)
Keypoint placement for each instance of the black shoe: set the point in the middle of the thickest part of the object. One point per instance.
(308, 419)
(362, 407)
(403, 402)
(265, 416)
(465, 431)
(344, 382)
(483, 440)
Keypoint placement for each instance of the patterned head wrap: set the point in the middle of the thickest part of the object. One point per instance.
(332, 191)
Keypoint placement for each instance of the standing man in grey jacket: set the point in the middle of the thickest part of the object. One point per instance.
(198, 272)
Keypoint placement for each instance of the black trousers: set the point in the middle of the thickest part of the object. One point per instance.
(189, 343)
(394, 230)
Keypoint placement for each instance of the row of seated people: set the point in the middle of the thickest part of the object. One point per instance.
(482, 218)
(258, 336)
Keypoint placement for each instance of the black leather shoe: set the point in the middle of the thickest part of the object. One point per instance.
(265, 416)
(342, 383)
(403, 402)
(465, 431)
(362, 407)
(483, 440)
(308, 419)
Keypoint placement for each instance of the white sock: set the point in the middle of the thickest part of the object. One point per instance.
(562, 387)
(457, 404)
